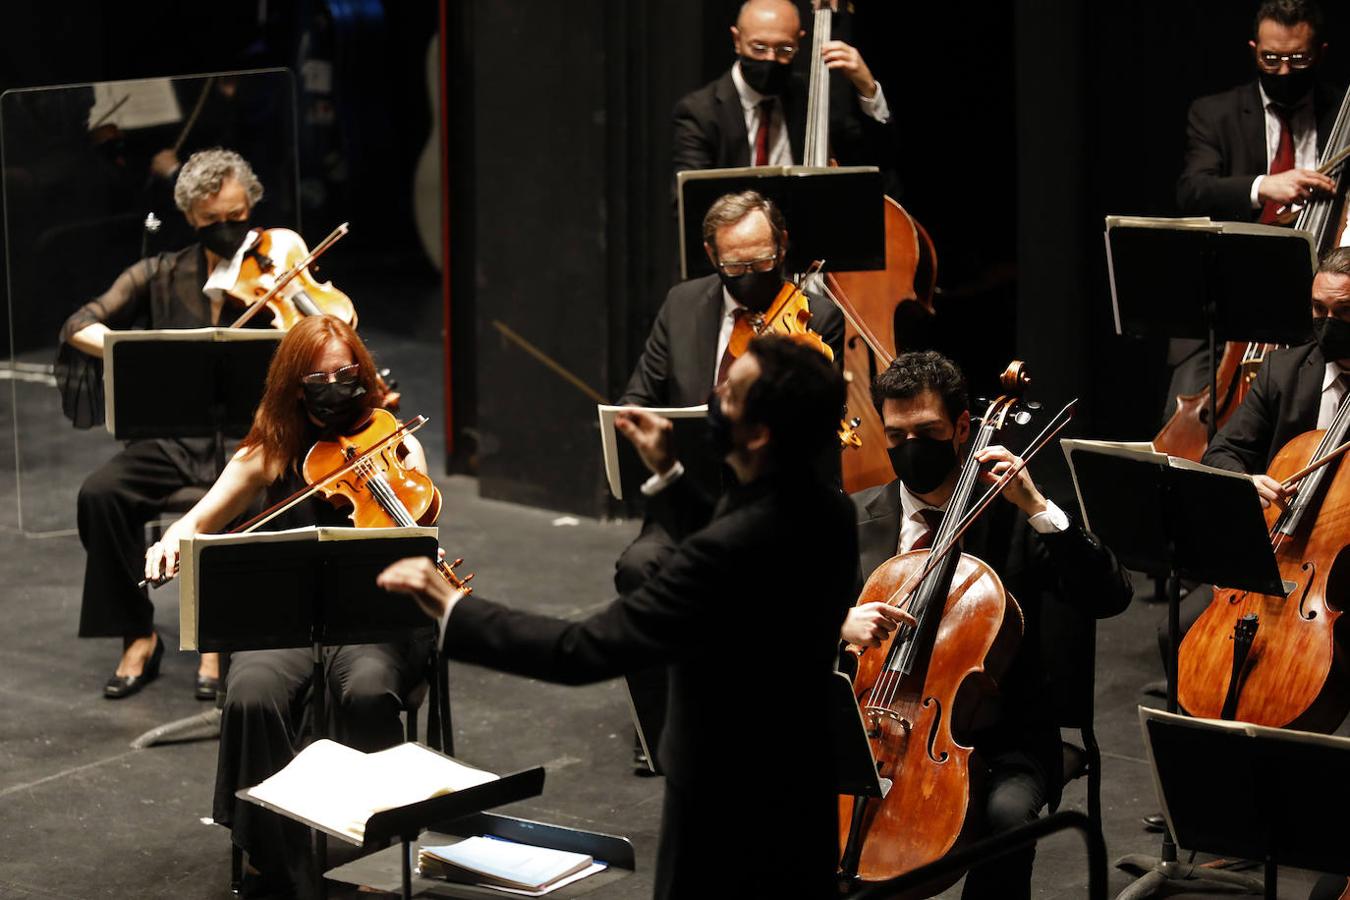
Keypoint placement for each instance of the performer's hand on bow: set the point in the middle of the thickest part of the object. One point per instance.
(652, 436)
(1021, 490)
(1272, 491)
(870, 624)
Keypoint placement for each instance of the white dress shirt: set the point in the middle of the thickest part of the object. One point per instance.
(780, 149)
(1333, 391)
(729, 307)
(912, 524)
(1302, 124)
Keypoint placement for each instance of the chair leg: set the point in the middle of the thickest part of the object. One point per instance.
(410, 731)
(236, 868)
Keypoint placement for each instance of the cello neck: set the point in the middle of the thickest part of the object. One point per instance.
(817, 150)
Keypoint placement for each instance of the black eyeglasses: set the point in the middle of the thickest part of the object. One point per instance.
(746, 266)
(1271, 62)
(344, 375)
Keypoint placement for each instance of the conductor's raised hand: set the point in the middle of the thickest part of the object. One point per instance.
(870, 624)
(419, 577)
(652, 436)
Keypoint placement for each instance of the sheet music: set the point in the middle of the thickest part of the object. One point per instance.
(609, 437)
(144, 104)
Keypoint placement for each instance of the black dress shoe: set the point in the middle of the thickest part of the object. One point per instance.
(206, 688)
(120, 686)
(1155, 822)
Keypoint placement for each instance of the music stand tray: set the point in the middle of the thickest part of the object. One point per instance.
(836, 213)
(381, 870)
(1252, 792)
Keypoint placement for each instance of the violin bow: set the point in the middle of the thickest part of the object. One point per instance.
(290, 275)
(1313, 467)
(308, 490)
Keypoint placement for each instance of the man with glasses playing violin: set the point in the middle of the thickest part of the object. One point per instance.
(755, 114)
(687, 355)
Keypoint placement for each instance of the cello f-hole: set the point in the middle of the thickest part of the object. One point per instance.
(1304, 613)
(933, 730)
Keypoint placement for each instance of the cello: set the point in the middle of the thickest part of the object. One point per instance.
(1187, 433)
(920, 690)
(1282, 661)
(910, 276)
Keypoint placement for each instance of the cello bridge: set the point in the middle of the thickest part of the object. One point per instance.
(874, 714)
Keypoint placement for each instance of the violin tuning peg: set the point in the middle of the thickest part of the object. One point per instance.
(457, 562)
(1032, 404)
(467, 578)
(1022, 417)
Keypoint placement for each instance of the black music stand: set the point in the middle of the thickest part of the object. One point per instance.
(1174, 519)
(1216, 281)
(1200, 764)
(217, 377)
(217, 381)
(309, 587)
(836, 214)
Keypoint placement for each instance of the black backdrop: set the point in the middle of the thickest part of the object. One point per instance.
(1024, 123)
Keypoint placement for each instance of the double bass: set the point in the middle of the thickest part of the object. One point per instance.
(871, 297)
(921, 688)
(1187, 433)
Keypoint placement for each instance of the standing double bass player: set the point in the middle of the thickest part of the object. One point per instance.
(1044, 558)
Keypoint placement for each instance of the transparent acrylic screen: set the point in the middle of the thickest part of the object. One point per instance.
(84, 166)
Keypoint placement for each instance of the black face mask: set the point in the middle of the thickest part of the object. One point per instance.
(338, 406)
(767, 76)
(223, 238)
(753, 290)
(719, 429)
(1288, 90)
(922, 463)
(1333, 336)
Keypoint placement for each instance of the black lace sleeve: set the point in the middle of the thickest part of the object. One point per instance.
(79, 376)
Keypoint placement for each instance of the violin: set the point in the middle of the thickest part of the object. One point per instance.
(373, 485)
(275, 275)
(789, 315)
(1282, 661)
(910, 276)
(923, 686)
(363, 473)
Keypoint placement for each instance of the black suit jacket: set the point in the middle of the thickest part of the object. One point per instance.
(679, 361)
(710, 129)
(750, 643)
(1052, 576)
(1281, 405)
(1226, 149)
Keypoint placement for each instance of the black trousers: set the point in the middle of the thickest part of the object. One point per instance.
(1017, 791)
(265, 696)
(640, 561)
(114, 504)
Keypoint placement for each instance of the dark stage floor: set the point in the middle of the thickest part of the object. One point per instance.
(83, 815)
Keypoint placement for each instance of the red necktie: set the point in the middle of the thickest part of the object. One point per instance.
(762, 133)
(727, 358)
(1283, 161)
(931, 518)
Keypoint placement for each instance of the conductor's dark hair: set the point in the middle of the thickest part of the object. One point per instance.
(924, 370)
(798, 395)
(1289, 13)
(729, 209)
(1335, 262)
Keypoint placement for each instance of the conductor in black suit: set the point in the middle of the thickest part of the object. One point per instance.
(727, 824)
(1254, 148)
(686, 353)
(1058, 573)
(755, 113)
